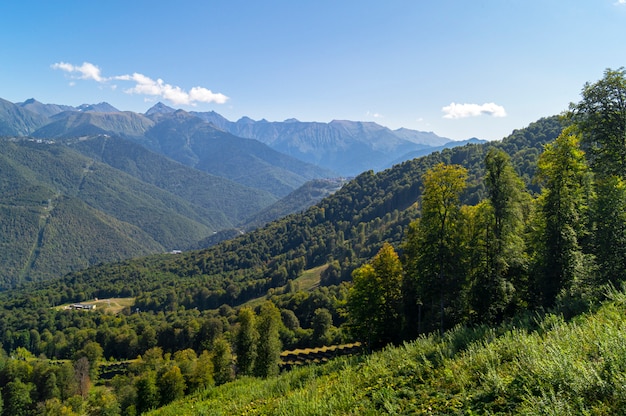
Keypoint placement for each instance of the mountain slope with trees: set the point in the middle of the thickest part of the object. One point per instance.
(342, 231)
(74, 211)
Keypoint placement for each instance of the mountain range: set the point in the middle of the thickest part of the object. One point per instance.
(342, 147)
(91, 184)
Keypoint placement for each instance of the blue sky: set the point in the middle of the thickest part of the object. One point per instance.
(459, 68)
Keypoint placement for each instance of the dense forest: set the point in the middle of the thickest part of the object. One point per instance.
(471, 237)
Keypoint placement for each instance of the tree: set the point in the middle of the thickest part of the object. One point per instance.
(103, 402)
(432, 248)
(17, 398)
(171, 385)
(601, 118)
(269, 346)
(609, 215)
(82, 374)
(147, 392)
(503, 245)
(222, 361)
(187, 361)
(203, 376)
(66, 380)
(562, 206)
(93, 352)
(321, 323)
(49, 388)
(375, 299)
(246, 341)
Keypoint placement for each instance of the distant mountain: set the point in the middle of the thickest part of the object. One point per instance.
(17, 121)
(49, 110)
(346, 147)
(421, 137)
(71, 124)
(97, 108)
(159, 108)
(90, 184)
(46, 110)
(173, 133)
(194, 142)
(298, 201)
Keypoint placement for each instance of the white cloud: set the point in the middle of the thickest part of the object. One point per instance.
(86, 70)
(146, 86)
(619, 2)
(455, 110)
(374, 115)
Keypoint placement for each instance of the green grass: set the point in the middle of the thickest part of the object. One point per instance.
(559, 368)
(308, 280)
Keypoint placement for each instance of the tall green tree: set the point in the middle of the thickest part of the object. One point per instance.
(561, 216)
(203, 375)
(246, 341)
(432, 247)
(17, 398)
(171, 385)
(601, 118)
(269, 346)
(375, 299)
(503, 243)
(609, 215)
(147, 392)
(321, 323)
(222, 362)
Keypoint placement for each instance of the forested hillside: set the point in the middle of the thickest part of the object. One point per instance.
(63, 211)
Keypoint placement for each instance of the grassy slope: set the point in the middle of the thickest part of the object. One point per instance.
(576, 367)
(308, 280)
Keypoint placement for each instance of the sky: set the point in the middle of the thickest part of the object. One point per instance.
(458, 68)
